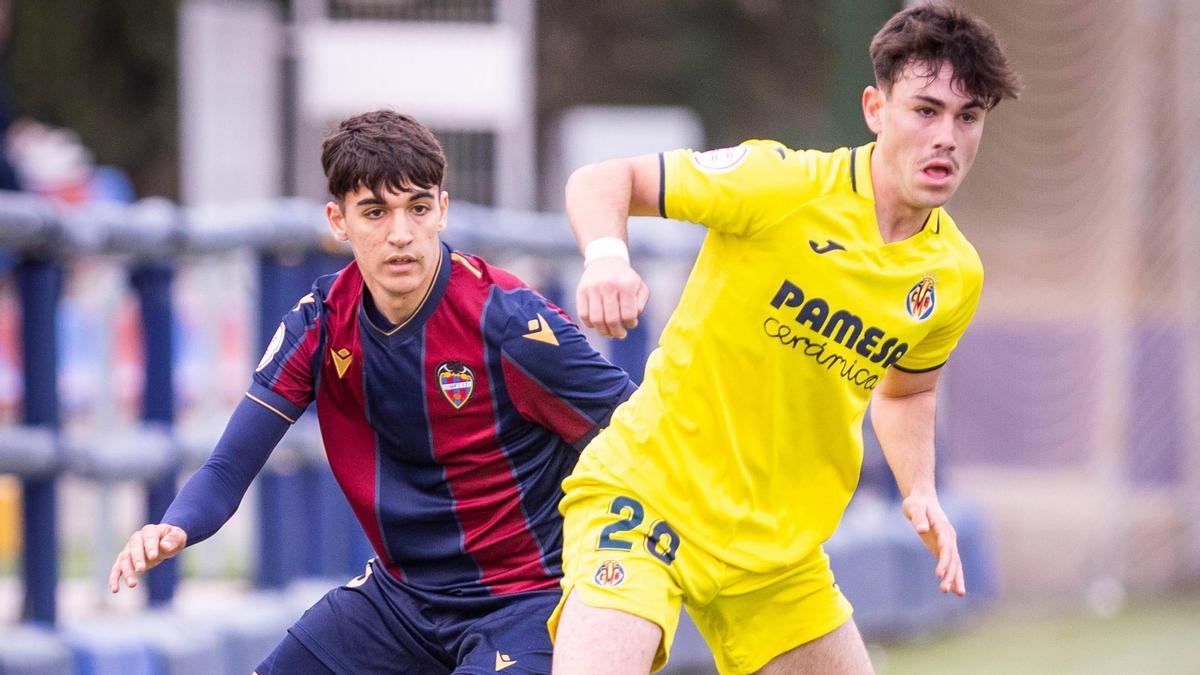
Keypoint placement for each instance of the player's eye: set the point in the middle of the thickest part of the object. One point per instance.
(420, 209)
(374, 213)
(925, 111)
(969, 117)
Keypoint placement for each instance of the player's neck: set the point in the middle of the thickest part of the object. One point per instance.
(398, 309)
(896, 219)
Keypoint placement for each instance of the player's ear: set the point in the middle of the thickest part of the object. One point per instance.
(444, 203)
(336, 220)
(872, 105)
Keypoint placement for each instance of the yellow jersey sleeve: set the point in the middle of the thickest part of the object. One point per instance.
(740, 190)
(934, 350)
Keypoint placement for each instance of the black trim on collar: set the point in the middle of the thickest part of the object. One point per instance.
(853, 177)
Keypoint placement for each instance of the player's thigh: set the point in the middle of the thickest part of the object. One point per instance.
(841, 651)
(621, 590)
(759, 616)
(512, 638)
(600, 640)
(369, 626)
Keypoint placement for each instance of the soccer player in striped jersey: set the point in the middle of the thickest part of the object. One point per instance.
(452, 401)
(827, 280)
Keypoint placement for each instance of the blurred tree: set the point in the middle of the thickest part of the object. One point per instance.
(786, 69)
(106, 69)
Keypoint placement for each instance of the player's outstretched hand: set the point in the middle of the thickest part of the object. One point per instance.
(611, 296)
(934, 528)
(146, 548)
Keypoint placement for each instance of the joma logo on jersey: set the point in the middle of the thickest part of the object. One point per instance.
(920, 299)
(841, 326)
(609, 574)
(456, 381)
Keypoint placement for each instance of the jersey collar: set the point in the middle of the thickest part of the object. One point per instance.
(860, 182)
(860, 170)
(374, 320)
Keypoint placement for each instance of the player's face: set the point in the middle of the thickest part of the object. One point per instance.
(928, 133)
(394, 237)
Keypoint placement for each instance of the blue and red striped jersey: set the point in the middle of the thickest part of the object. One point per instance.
(451, 433)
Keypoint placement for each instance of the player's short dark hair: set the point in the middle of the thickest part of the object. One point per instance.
(929, 34)
(382, 148)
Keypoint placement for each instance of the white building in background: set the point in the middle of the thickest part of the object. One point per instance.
(259, 90)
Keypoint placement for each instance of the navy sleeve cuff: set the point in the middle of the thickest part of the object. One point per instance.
(274, 402)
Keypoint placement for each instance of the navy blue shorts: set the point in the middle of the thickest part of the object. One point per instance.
(375, 624)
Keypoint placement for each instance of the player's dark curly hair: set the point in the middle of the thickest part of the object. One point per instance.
(927, 35)
(382, 148)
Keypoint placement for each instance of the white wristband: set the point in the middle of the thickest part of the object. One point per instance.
(605, 247)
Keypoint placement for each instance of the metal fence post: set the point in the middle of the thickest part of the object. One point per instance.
(152, 282)
(39, 283)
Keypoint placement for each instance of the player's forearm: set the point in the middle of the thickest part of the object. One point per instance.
(213, 493)
(904, 426)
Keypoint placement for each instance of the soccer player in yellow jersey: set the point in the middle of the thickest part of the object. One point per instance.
(827, 280)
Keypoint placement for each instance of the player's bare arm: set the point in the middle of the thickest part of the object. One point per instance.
(600, 198)
(902, 412)
(146, 549)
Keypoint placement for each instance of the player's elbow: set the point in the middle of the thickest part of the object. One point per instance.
(628, 183)
(597, 176)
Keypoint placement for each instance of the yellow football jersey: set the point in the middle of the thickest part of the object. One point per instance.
(747, 432)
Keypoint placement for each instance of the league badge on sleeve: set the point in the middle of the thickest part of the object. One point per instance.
(721, 159)
(273, 348)
(920, 300)
(456, 381)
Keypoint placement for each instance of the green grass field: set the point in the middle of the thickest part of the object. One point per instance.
(1148, 637)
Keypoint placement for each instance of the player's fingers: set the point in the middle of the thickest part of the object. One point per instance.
(114, 577)
(126, 569)
(137, 551)
(943, 561)
(612, 314)
(919, 518)
(947, 576)
(960, 583)
(594, 317)
(172, 542)
(150, 537)
(947, 548)
(642, 297)
(596, 313)
(581, 306)
(956, 570)
(629, 310)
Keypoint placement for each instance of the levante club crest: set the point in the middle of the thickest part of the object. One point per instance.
(920, 299)
(457, 382)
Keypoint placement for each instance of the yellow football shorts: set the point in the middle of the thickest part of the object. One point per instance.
(619, 554)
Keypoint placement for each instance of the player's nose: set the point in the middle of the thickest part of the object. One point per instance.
(399, 233)
(943, 138)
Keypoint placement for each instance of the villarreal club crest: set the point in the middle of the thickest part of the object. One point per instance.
(609, 574)
(920, 299)
(456, 381)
